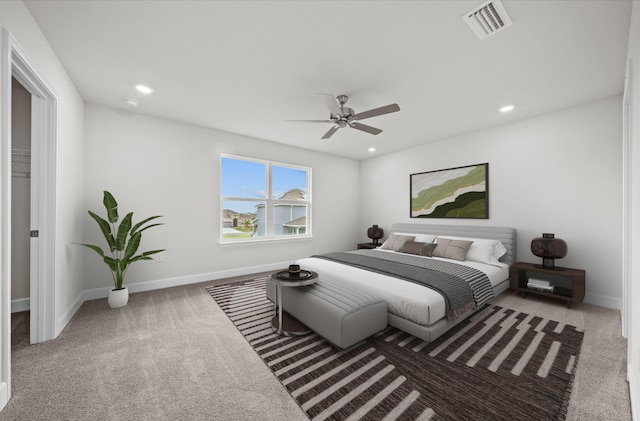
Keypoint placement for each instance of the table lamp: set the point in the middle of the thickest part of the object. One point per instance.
(549, 248)
(375, 233)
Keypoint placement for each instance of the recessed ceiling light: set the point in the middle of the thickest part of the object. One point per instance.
(507, 108)
(144, 89)
(372, 149)
(131, 101)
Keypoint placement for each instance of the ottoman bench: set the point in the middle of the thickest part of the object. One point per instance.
(342, 315)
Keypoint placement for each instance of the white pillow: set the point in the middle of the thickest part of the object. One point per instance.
(482, 250)
(420, 238)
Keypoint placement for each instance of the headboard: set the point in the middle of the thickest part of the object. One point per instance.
(506, 235)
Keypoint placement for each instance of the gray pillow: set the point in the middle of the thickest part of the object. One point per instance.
(395, 242)
(416, 247)
(451, 249)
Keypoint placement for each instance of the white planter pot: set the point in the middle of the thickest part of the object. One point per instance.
(118, 297)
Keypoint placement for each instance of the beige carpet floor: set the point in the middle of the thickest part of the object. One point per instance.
(172, 354)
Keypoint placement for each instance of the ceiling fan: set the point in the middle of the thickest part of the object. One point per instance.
(342, 116)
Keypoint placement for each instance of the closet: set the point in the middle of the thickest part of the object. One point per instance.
(21, 196)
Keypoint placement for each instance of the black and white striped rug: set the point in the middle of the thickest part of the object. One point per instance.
(500, 364)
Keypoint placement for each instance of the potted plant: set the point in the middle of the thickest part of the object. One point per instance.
(123, 240)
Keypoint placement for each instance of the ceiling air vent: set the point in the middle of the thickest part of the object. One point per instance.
(487, 19)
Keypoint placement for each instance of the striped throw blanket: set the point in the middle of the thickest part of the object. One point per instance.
(463, 288)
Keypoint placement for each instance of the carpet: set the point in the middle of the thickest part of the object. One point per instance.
(499, 364)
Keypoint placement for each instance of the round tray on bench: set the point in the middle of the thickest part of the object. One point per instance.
(304, 275)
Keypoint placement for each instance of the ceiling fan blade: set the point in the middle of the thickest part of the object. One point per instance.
(308, 121)
(391, 108)
(332, 103)
(365, 128)
(330, 133)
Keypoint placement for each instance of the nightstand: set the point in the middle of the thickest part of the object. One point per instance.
(368, 245)
(563, 283)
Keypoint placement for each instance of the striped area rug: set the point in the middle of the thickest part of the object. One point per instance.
(499, 364)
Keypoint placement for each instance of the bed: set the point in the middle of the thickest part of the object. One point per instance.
(412, 307)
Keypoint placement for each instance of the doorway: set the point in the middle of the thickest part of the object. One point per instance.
(20, 210)
(15, 64)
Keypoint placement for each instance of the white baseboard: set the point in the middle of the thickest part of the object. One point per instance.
(634, 391)
(4, 395)
(603, 301)
(21, 304)
(98, 293)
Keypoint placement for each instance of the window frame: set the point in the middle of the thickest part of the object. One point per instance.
(269, 202)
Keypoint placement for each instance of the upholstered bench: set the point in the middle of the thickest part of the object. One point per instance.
(342, 315)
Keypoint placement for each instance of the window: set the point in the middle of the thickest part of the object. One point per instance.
(263, 200)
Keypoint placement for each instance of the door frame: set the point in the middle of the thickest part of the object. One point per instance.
(16, 63)
(627, 210)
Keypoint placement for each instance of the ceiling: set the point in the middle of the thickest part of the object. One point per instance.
(247, 66)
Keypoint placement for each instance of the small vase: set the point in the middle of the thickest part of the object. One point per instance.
(118, 297)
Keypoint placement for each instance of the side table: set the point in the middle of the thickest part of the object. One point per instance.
(283, 323)
(368, 246)
(568, 284)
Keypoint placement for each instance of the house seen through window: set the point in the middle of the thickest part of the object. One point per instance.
(263, 200)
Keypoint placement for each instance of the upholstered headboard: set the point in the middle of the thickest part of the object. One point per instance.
(506, 235)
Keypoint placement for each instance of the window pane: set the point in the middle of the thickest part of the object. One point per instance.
(288, 183)
(241, 219)
(243, 179)
(289, 219)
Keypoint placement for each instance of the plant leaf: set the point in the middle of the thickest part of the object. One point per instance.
(111, 206)
(149, 253)
(139, 224)
(106, 230)
(132, 247)
(94, 248)
(123, 232)
(112, 263)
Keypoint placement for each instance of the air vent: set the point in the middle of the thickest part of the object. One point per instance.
(487, 19)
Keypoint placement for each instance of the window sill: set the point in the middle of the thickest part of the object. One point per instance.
(269, 240)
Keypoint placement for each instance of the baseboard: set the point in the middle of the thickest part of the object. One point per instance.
(603, 301)
(98, 293)
(634, 392)
(21, 304)
(4, 394)
(66, 318)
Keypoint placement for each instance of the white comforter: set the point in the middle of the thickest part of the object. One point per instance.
(405, 299)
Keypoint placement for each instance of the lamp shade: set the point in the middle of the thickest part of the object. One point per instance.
(375, 233)
(549, 248)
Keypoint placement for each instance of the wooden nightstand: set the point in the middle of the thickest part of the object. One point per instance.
(368, 245)
(568, 284)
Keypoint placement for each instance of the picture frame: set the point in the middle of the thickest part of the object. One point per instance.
(459, 192)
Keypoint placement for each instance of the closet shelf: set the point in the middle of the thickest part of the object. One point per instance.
(20, 162)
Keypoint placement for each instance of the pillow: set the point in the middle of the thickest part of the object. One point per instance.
(421, 238)
(418, 248)
(451, 249)
(395, 242)
(482, 250)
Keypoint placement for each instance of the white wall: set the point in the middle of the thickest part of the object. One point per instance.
(155, 166)
(557, 173)
(68, 274)
(633, 322)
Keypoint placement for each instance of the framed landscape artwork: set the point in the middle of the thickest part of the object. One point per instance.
(461, 192)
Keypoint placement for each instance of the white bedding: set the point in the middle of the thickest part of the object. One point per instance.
(404, 299)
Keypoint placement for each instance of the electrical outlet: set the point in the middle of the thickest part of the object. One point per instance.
(159, 257)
